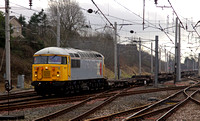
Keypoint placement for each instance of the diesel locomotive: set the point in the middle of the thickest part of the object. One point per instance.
(58, 70)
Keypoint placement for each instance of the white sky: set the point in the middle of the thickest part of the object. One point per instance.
(187, 11)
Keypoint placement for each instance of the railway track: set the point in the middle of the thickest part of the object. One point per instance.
(161, 110)
(109, 97)
(181, 104)
(22, 102)
(37, 101)
(81, 116)
(14, 95)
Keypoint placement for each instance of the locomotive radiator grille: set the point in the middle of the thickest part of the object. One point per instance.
(46, 74)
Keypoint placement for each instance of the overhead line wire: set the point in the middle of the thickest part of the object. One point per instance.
(135, 14)
(24, 7)
(176, 14)
(122, 19)
(153, 26)
(103, 14)
(19, 14)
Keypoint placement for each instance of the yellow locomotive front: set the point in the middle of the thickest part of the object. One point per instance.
(51, 68)
(50, 71)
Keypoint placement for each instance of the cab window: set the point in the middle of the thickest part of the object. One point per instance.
(50, 60)
(54, 59)
(40, 60)
(64, 60)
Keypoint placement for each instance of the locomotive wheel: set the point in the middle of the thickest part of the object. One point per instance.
(40, 92)
(67, 89)
(43, 94)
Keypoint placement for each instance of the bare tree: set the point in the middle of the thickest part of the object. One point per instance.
(71, 18)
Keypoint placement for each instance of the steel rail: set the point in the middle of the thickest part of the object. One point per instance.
(18, 100)
(194, 79)
(35, 103)
(140, 117)
(106, 95)
(165, 108)
(46, 101)
(175, 108)
(155, 104)
(61, 112)
(65, 110)
(13, 95)
(107, 101)
(151, 90)
(151, 106)
(195, 100)
(108, 117)
(137, 108)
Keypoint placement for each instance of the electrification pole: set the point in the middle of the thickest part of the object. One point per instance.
(170, 63)
(58, 25)
(115, 50)
(179, 53)
(143, 13)
(177, 70)
(156, 61)
(159, 60)
(198, 65)
(140, 56)
(176, 51)
(165, 60)
(118, 64)
(7, 34)
(151, 58)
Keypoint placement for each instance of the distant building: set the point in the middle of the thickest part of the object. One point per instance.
(16, 27)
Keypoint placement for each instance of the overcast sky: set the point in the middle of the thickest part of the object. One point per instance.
(131, 12)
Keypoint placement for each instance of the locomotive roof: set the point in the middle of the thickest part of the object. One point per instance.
(69, 51)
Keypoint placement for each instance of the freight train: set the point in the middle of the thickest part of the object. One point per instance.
(58, 70)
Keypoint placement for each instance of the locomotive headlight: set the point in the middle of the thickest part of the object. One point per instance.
(36, 74)
(46, 68)
(58, 74)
